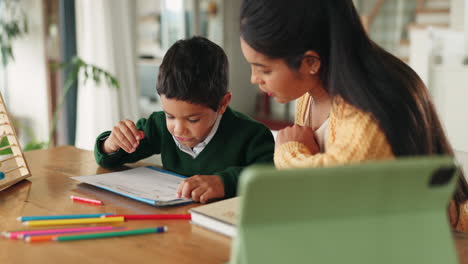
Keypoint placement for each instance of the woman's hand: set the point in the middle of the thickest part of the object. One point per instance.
(201, 188)
(301, 134)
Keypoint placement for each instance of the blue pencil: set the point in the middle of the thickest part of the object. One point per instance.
(52, 217)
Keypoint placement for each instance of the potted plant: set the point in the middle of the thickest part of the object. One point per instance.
(13, 25)
(75, 68)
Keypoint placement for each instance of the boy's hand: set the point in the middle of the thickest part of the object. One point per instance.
(201, 188)
(301, 134)
(124, 135)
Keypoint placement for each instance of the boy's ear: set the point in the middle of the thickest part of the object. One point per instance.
(224, 103)
(312, 61)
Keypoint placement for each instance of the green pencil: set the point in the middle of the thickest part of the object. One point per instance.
(159, 229)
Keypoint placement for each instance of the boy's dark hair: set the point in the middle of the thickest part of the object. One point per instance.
(194, 70)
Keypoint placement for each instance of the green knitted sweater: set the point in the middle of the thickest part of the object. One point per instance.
(239, 142)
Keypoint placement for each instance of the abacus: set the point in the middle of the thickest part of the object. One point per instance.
(13, 167)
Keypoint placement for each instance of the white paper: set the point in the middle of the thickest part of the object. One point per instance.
(141, 182)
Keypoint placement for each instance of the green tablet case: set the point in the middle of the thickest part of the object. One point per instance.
(377, 212)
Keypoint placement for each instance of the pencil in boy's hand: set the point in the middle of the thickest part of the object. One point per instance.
(85, 200)
(159, 229)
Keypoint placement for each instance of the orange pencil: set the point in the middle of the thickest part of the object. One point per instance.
(43, 238)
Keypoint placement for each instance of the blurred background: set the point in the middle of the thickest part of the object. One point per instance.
(91, 63)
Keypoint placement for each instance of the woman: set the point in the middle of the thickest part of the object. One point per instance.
(356, 102)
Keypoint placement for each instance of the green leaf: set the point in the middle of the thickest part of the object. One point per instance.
(35, 145)
(96, 75)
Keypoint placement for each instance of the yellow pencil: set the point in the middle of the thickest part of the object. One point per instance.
(77, 221)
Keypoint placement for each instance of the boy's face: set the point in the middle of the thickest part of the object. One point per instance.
(191, 123)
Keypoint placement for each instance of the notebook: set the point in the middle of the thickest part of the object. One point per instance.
(382, 212)
(219, 216)
(145, 184)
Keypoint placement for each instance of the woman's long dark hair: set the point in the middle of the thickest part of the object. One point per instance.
(352, 67)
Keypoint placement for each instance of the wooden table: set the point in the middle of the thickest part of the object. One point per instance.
(48, 192)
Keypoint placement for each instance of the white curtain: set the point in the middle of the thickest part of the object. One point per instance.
(465, 29)
(106, 36)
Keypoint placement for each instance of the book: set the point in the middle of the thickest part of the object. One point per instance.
(219, 216)
(149, 184)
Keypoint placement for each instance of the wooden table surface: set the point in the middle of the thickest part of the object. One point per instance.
(47, 192)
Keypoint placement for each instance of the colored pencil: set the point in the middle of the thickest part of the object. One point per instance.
(44, 238)
(85, 200)
(21, 234)
(52, 217)
(78, 221)
(152, 216)
(113, 234)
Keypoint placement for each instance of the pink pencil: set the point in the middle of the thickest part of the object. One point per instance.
(85, 200)
(21, 234)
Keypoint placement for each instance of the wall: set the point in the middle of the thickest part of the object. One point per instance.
(448, 80)
(466, 27)
(27, 83)
(244, 93)
(457, 14)
(449, 91)
(419, 51)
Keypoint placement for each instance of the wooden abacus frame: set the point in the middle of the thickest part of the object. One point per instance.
(14, 167)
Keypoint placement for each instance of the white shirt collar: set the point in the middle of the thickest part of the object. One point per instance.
(195, 151)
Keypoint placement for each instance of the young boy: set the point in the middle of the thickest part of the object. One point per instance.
(197, 134)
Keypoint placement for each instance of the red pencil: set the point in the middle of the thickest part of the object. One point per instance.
(154, 216)
(85, 200)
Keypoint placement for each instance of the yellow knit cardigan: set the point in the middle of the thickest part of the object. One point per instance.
(353, 136)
